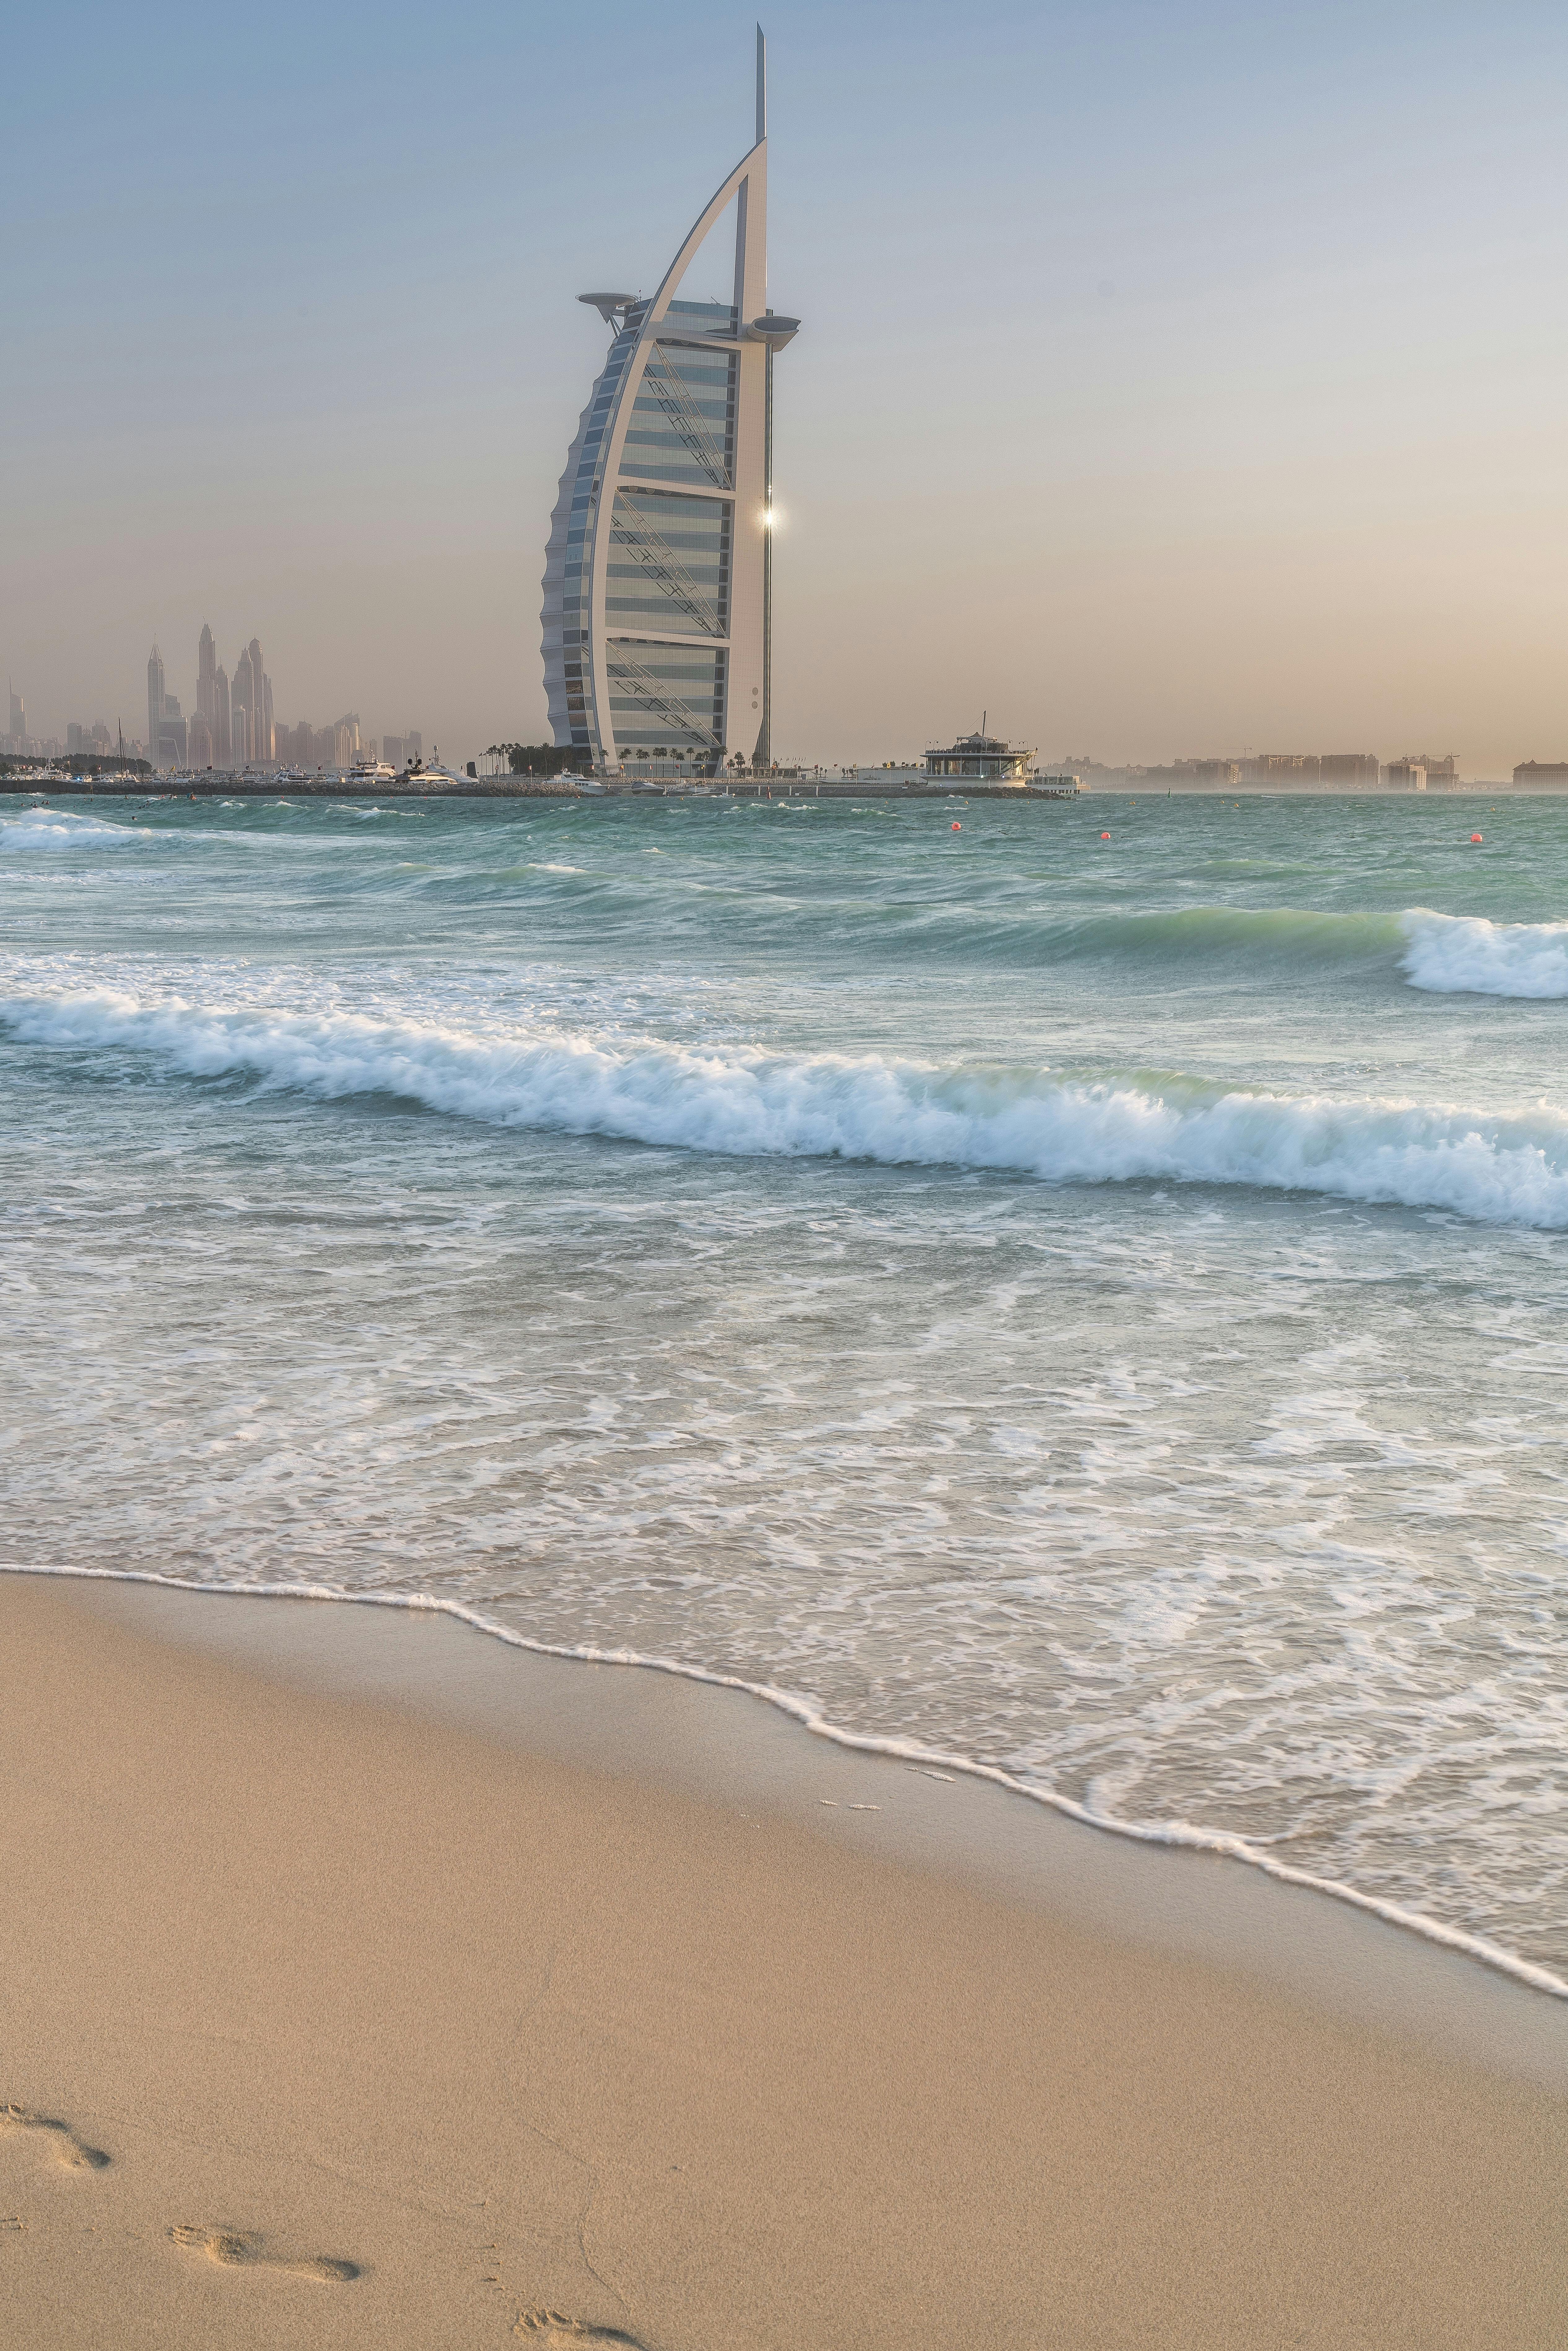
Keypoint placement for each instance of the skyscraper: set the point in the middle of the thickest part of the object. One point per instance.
(243, 708)
(657, 620)
(262, 735)
(154, 702)
(211, 729)
(165, 723)
(201, 740)
(207, 674)
(252, 734)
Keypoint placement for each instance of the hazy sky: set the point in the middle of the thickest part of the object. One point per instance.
(1173, 378)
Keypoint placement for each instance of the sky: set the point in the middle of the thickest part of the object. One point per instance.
(1175, 378)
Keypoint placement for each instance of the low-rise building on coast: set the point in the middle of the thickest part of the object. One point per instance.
(1420, 771)
(1332, 771)
(1291, 770)
(1541, 776)
(979, 759)
(1348, 772)
(1284, 772)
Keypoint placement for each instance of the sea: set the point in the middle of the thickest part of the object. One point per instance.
(1076, 1289)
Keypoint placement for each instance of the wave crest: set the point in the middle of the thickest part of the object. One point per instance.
(49, 829)
(1464, 955)
(1509, 1167)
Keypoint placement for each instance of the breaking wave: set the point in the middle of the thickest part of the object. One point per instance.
(1448, 954)
(46, 829)
(1464, 955)
(1504, 1167)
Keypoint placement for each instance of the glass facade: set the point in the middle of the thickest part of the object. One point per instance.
(668, 698)
(669, 564)
(572, 683)
(682, 426)
(682, 420)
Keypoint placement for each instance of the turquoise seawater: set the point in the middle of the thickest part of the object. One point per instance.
(1099, 1307)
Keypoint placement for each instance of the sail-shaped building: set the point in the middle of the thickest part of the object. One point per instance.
(657, 590)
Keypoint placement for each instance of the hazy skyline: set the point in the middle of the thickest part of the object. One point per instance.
(1173, 379)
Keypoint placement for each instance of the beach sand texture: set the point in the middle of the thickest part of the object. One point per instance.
(325, 2023)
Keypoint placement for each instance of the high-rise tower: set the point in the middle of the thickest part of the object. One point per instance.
(202, 737)
(261, 726)
(212, 701)
(657, 620)
(252, 732)
(206, 676)
(244, 702)
(165, 723)
(154, 702)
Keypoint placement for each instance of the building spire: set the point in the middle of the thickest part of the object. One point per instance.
(761, 87)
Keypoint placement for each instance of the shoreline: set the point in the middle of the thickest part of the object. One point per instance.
(368, 1979)
(523, 787)
(1212, 1844)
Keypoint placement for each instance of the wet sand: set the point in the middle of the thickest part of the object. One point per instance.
(362, 1982)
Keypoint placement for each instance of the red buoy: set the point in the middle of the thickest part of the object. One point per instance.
(1474, 836)
(1104, 836)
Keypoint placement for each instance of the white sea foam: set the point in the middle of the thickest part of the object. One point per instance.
(1502, 1167)
(935, 1760)
(1216, 1507)
(46, 829)
(1464, 955)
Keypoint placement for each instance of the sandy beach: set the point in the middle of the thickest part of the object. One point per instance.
(366, 1982)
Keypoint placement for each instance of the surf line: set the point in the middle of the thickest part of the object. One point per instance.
(1177, 1832)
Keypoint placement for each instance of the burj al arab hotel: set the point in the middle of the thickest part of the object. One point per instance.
(657, 588)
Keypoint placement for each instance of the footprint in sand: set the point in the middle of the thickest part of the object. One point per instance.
(239, 2249)
(57, 2136)
(550, 2332)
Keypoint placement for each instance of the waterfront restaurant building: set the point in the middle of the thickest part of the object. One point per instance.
(979, 760)
(657, 620)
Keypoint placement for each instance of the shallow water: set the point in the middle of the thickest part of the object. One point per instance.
(1094, 1306)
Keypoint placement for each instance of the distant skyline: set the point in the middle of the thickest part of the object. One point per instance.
(1179, 378)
